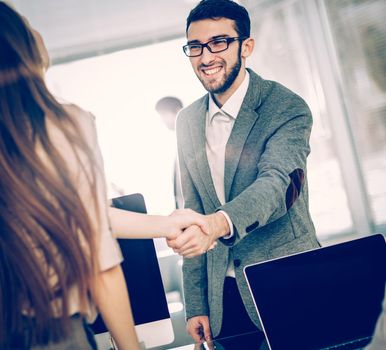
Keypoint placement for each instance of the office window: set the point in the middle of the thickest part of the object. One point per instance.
(359, 32)
(121, 90)
(281, 54)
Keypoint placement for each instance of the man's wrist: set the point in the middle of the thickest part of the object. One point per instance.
(221, 226)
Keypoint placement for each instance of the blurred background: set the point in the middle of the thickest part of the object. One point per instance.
(117, 58)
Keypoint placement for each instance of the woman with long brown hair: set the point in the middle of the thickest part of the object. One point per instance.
(58, 259)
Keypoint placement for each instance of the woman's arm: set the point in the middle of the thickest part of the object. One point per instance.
(111, 297)
(127, 224)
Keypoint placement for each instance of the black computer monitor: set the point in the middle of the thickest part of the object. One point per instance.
(144, 283)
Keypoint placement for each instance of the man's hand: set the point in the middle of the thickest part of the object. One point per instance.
(181, 219)
(199, 329)
(194, 241)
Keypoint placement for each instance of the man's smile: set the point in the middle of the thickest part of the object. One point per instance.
(208, 71)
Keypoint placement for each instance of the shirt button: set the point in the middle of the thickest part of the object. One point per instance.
(237, 262)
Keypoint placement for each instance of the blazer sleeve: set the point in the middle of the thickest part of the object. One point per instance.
(282, 168)
(194, 269)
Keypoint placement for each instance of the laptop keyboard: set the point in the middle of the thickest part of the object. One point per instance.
(355, 344)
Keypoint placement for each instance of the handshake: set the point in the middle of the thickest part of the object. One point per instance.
(191, 234)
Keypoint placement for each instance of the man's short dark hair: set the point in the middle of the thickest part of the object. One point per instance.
(213, 9)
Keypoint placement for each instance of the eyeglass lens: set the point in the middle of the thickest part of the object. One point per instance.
(213, 46)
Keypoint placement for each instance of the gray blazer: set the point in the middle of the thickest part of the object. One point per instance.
(265, 189)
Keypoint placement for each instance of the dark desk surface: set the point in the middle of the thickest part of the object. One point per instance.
(250, 341)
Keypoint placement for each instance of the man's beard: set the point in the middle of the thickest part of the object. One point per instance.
(229, 79)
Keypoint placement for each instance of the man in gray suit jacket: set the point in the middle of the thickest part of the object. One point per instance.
(242, 153)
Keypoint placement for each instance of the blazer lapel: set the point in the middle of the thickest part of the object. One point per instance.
(245, 120)
(197, 123)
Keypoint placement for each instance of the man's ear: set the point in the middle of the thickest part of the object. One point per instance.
(247, 47)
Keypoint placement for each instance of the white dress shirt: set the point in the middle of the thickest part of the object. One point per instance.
(219, 124)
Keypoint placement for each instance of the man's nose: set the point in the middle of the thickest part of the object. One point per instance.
(207, 56)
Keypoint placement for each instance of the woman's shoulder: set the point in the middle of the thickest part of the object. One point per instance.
(83, 119)
(77, 112)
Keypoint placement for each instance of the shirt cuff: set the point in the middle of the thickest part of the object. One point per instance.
(231, 231)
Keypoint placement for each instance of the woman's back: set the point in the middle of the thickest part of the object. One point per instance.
(50, 186)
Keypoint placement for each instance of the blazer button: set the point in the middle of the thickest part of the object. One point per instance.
(237, 262)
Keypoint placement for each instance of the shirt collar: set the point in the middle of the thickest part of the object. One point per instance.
(232, 106)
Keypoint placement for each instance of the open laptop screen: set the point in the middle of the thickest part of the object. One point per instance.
(323, 297)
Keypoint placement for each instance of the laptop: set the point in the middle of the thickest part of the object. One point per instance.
(327, 298)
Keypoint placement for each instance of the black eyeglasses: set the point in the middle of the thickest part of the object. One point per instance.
(214, 46)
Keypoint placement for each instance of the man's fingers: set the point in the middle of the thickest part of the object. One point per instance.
(183, 241)
(192, 244)
(196, 337)
(189, 238)
(207, 334)
(194, 329)
(206, 329)
(191, 253)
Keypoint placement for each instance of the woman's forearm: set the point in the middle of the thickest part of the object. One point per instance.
(127, 224)
(111, 297)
